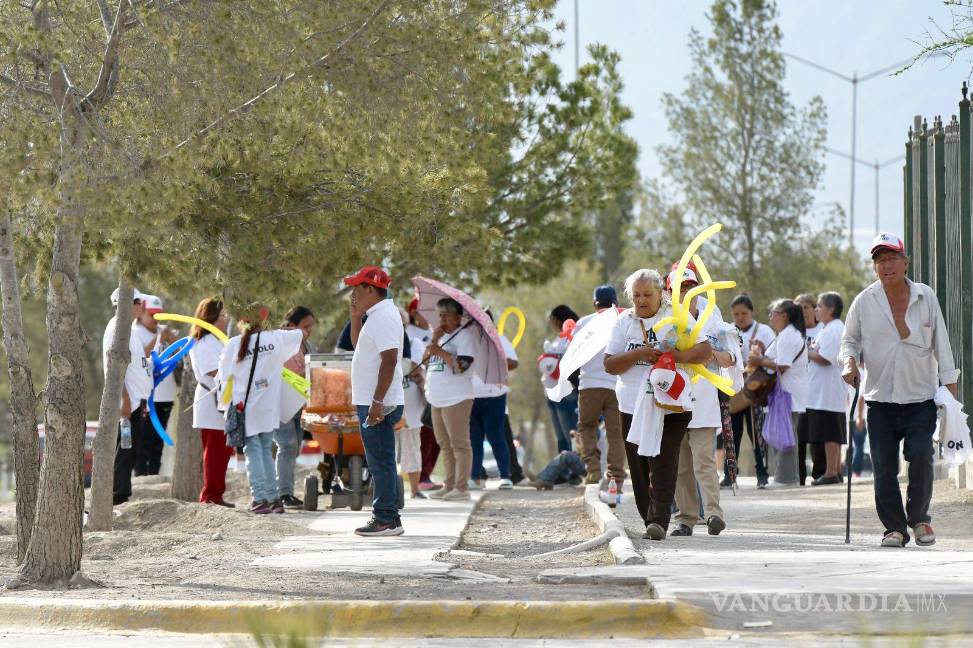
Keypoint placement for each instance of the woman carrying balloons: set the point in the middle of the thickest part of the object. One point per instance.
(634, 348)
(205, 359)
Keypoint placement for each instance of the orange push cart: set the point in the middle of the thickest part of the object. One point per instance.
(332, 421)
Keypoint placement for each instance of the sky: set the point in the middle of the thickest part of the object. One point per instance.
(847, 36)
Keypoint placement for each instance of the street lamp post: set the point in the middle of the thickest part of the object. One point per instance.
(854, 80)
(876, 166)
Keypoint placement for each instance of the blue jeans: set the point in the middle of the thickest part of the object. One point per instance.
(486, 420)
(564, 415)
(260, 466)
(379, 440)
(563, 468)
(288, 440)
(858, 439)
(890, 424)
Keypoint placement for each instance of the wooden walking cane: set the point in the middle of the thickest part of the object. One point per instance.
(848, 459)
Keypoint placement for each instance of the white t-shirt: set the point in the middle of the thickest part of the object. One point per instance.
(794, 381)
(418, 336)
(826, 390)
(812, 333)
(593, 374)
(415, 400)
(706, 408)
(444, 387)
(761, 332)
(138, 373)
(481, 390)
(263, 406)
(166, 391)
(627, 336)
(382, 331)
(205, 357)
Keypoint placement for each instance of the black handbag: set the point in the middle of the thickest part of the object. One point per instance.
(236, 418)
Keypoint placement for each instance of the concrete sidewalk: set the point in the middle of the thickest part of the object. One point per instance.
(431, 527)
(788, 543)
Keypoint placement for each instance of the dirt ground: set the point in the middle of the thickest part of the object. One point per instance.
(165, 549)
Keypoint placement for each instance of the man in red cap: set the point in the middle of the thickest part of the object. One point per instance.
(897, 328)
(376, 390)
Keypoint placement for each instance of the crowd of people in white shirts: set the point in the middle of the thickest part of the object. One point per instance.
(626, 420)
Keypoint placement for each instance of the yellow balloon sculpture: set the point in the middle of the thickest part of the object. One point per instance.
(686, 337)
(513, 310)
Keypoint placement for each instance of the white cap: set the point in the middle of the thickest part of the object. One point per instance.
(152, 304)
(687, 275)
(135, 295)
(887, 241)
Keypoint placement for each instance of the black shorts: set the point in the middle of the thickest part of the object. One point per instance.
(826, 427)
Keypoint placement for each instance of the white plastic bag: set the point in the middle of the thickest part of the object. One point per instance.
(952, 429)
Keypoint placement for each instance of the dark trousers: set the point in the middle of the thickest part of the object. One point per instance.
(890, 424)
(819, 460)
(125, 457)
(486, 422)
(737, 422)
(148, 460)
(564, 415)
(653, 479)
(516, 471)
(429, 449)
(379, 442)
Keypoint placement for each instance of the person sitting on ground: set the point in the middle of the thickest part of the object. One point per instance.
(256, 391)
(566, 468)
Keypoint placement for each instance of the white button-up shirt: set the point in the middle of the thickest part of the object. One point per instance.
(899, 370)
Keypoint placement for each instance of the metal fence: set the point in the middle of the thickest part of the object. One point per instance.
(938, 225)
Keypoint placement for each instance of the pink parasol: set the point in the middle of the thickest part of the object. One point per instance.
(490, 362)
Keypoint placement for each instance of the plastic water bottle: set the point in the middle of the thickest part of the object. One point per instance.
(126, 433)
(613, 497)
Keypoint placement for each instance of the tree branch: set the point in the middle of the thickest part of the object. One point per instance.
(14, 83)
(108, 76)
(248, 106)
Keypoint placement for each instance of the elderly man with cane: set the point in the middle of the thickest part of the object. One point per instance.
(897, 328)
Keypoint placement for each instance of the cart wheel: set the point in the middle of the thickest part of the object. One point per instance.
(311, 493)
(357, 501)
(401, 493)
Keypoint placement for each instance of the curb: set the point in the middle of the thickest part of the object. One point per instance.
(523, 619)
(623, 551)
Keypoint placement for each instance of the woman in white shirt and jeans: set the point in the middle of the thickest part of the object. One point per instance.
(263, 403)
(787, 355)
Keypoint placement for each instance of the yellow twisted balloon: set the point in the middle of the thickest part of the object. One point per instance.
(686, 338)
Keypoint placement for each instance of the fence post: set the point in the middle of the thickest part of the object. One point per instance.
(907, 235)
(940, 235)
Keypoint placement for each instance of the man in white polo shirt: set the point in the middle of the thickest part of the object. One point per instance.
(897, 328)
(376, 390)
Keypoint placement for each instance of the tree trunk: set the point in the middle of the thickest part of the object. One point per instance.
(23, 400)
(531, 436)
(187, 473)
(54, 552)
(103, 464)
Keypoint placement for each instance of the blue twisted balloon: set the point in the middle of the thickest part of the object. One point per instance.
(162, 367)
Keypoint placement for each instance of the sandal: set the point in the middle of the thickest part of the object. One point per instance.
(894, 539)
(924, 534)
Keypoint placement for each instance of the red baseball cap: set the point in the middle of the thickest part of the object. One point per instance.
(688, 275)
(887, 241)
(370, 276)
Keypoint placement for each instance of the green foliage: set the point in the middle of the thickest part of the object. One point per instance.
(743, 154)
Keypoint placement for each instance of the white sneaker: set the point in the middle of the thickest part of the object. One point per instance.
(474, 484)
(506, 484)
(438, 494)
(456, 495)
